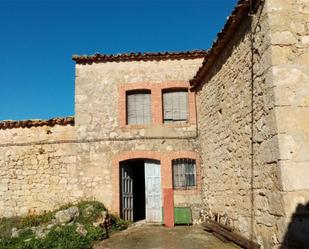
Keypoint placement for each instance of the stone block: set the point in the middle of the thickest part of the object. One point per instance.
(288, 76)
(292, 119)
(294, 175)
(288, 146)
(294, 200)
(281, 56)
(275, 202)
(265, 219)
(283, 38)
(305, 40)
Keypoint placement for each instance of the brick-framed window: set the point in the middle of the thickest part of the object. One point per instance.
(175, 105)
(138, 103)
(184, 173)
(176, 90)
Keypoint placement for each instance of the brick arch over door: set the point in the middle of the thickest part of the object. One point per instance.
(165, 159)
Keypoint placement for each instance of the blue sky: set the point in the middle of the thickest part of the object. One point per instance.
(38, 39)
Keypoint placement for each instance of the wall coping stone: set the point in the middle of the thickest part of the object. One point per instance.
(10, 124)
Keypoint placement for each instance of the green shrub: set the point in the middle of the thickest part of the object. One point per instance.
(66, 237)
(59, 237)
(96, 212)
(118, 224)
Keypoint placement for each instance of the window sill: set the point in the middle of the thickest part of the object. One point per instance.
(185, 188)
(169, 125)
(137, 126)
(177, 125)
(187, 191)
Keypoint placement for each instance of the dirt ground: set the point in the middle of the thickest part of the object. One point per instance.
(160, 237)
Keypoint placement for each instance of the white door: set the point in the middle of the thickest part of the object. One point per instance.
(153, 191)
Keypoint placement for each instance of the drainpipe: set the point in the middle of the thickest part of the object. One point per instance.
(253, 5)
(196, 120)
(251, 14)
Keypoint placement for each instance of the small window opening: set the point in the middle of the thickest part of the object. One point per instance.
(175, 106)
(138, 107)
(184, 173)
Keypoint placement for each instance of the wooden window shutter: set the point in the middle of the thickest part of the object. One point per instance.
(138, 107)
(175, 106)
(183, 105)
(168, 106)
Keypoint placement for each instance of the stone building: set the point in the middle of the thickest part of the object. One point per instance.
(223, 131)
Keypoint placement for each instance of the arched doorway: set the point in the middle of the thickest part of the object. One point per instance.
(140, 190)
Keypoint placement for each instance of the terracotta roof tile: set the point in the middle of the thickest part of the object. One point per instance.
(84, 59)
(223, 37)
(10, 124)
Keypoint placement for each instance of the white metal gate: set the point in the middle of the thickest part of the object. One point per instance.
(153, 191)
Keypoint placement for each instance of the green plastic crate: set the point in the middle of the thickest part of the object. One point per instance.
(182, 215)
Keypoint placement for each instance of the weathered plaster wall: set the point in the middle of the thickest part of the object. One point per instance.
(96, 97)
(241, 178)
(37, 169)
(97, 120)
(289, 27)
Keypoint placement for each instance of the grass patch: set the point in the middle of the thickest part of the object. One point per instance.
(59, 236)
(6, 225)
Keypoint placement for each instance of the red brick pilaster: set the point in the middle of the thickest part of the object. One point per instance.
(168, 207)
(157, 105)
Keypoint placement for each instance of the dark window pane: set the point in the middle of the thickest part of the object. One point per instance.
(184, 174)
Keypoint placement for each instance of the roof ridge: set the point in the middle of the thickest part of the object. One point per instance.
(139, 56)
(241, 9)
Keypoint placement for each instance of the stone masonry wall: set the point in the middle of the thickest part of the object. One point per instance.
(97, 120)
(289, 28)
(241, 178)
(37, 169)
(44, 167)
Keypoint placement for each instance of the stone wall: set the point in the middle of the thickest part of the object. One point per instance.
(44, 167)
(289, 28)
(236, 104)
(37, 169)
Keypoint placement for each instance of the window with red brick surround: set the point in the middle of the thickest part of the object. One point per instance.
(156, 90)
(138, 107)
(184, 173)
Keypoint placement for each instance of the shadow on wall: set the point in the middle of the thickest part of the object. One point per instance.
(297, 234)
